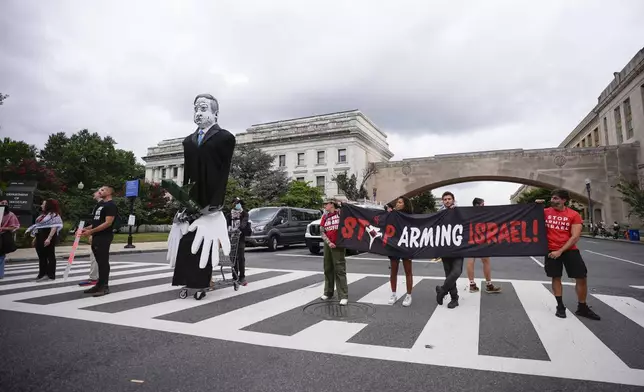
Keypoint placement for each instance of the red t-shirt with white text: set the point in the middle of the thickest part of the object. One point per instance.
(559, 226)
(331, 222)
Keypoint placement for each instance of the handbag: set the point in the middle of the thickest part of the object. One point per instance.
(7, 243)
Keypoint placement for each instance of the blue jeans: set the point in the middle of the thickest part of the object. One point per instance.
(2, 266)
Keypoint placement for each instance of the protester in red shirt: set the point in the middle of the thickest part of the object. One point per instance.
(563, 229)
(335, 265)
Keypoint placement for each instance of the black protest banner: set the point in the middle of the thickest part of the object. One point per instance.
(510, 230)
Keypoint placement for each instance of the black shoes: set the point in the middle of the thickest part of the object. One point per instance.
(583, 310)
(440, 295)
(453, 303)
(98, 291)
(561, 311)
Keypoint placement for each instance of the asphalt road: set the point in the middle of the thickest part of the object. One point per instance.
(275, 335)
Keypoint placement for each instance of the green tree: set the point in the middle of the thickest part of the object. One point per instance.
(535, 194)
(12, 152)
(252, 169)
(424, 203)
(633, 195)
(301, 194)
(91, 159)
(349, 185)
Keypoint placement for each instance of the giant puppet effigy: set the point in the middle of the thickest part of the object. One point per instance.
(199, 228)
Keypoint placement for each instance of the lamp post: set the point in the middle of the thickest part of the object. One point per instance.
(590, 205)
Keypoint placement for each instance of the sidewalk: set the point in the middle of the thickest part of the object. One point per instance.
(640, 242)
(62, 252)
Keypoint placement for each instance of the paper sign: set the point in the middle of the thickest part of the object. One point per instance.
(131, 220)
(70, 261)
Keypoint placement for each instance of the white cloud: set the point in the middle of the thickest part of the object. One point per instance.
(448, 76)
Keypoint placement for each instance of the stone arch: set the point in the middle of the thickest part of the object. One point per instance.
(525, 181)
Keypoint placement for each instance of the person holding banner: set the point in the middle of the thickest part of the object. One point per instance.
(487, 269)
(45, 232)
(563, 230)
(404, 205)
(453, 266)
(335, 265)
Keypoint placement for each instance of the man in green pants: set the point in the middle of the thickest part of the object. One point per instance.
(335, 265)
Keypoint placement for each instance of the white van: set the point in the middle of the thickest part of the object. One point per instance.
(314, 240)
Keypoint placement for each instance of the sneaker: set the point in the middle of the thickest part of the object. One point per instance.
(102, 291)
(393, 299)
(561, 312)
(474, 288)
(492, 289)
(407, 300)
(41, 278)
(344, 302)
(453, 303)
(584, 310)
(88, 283)
(439, 295)
(243, 282)
(324, 297)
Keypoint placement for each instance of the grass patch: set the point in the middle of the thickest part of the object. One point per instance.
(121, 238)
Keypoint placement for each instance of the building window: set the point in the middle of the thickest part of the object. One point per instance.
(618, 125)
(342, 155)
(321, 157)
(300, 159)
(281, 160)
(596, 137)
(628, 117)
(300, 179)
(175, 172)
(605, 130)
(163, 173)
(319, 182)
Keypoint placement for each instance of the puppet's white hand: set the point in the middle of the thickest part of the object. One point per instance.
(212, 231)
(178, 230)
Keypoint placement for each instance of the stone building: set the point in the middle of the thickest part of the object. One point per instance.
(311, 149)
(617, 118)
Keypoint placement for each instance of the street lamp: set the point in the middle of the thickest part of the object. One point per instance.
(81, 185)
(590, 205)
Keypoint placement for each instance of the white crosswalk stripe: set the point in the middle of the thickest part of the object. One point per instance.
(446, 337)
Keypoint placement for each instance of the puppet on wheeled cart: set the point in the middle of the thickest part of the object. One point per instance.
(199, 239)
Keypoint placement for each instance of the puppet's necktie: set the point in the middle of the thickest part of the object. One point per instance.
(200, 137)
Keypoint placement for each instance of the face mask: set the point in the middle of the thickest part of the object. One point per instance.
(238, 206)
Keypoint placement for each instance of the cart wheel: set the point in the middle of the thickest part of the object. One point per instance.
(183, 294)
(199, 295)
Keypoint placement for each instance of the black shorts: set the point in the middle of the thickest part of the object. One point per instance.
(571, 259)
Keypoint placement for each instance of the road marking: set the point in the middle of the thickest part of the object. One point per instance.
(292, 255)
(352, 258)
(568, 341)
(575, 352)
(453, 332)
(59, 275)
(616, 258)
(628, 306)
(537, 261)
(638, 287)
(380, 296)
(592, 242)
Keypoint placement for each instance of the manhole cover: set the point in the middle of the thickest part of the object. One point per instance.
(333, 311)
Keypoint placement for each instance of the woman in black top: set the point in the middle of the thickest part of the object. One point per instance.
(45, 232)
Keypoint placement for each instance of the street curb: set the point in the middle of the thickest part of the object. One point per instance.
(85, 254)
(613, 240)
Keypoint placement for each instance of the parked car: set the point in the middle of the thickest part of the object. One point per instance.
(314, 239)
(275, 226)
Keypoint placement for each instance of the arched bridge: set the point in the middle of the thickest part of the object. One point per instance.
(564, 168)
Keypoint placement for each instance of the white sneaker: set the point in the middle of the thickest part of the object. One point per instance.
(393, 299)
(407, 300)
(324, 298)
(344, 302)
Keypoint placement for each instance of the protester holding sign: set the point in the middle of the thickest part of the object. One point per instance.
(335, 265)
(487, 269)
(403, 205)
(102, 234)
(563, 228)
(8, 225)
(453, 266)
(93, 265)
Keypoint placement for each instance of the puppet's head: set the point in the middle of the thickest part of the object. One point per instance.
(206, 111)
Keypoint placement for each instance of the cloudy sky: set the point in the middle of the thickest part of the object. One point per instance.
(436, 76)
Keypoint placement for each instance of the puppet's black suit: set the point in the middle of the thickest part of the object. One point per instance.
(207, 165)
